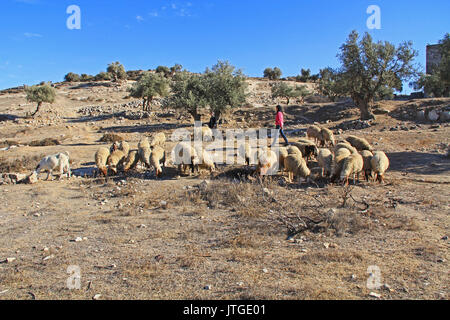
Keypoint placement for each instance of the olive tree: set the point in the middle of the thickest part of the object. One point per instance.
(117, 71)
(283, 90)
(72, 77)
(225, 87)
(149, 86)
(273, 74)
(40, 94)
(369, 70)
(189, 93)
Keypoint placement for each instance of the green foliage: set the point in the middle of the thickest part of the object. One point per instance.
(163, 70)
(330, 84)
(283, 90)
(437, 84)
(148, 87)
(40, 94)
(117, 71)
(225, 87)
(189, 94)
(103, 76)
(220, 88)
(369, 69)
(86, 77)
(175, 69)
(72, 77)
(272, 74)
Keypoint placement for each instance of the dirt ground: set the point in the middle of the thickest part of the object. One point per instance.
(137, 237)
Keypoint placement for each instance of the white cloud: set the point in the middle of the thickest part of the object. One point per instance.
(32, 35)
(139, 18)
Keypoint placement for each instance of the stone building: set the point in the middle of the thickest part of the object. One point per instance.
(433, 57)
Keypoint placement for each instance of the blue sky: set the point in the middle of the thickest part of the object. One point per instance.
(142, 34)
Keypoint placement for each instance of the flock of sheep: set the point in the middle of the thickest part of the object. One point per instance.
(341, 161)
(338, 161)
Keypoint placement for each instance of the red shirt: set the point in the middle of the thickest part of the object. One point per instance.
(279, 121)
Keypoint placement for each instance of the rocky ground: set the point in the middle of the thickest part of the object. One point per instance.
(136, 237)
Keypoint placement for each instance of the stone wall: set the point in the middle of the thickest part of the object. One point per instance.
(433, 56)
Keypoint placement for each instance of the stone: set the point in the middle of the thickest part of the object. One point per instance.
(97, 297)
(375, 295)
(433, 115)
(163, 204)
(204, 185)
(445, 116)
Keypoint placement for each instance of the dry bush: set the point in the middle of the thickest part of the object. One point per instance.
(20, 165)
(111, 138)
(44, 143)
(401, 222)
(8, 143)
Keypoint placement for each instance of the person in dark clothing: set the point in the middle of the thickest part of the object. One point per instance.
(279, 122)
(213, 121)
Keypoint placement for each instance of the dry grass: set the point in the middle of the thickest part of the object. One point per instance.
(111, 138)
(45, 143)
(20, 165)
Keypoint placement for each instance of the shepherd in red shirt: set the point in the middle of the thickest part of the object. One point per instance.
(279, 122)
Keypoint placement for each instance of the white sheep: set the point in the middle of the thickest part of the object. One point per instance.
(158, 139)
(157, 156)
(115, 160)
(58, 162)
(185, 156)
(352, 166)
(131, 160)
(325, 159)
(326, 135)
(101, 158)
(267, 163)
(379, 164)
(359, 143)
(314, 132)
(206, 161)
(367, 157)
(296, 167)
(339, 157)
(144, 151)
(346, 145)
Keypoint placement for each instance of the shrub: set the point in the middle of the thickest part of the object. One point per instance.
(72, 77)
(40, 94)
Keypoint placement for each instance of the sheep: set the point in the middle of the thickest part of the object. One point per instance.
(296, 167)
(125, 147)
(282, 154)
(101, 158)
(345, 145)
(157, 156)
(206, 132)
(131, 160)
(379, 164)
(144, 151)
(339, 158)
(359, 143)
(185, 156)
(352, 165)
(367, 157)
(158, 139)
(325, 159)
(326, 135)
(314, 132)
(267, 162)
(293, 150)
(206, 161)
(308, 149)
(57, 162)
(115, 159)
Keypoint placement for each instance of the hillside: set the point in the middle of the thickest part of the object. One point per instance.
(137, 237)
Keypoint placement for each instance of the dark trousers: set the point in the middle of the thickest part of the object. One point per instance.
(283, 135)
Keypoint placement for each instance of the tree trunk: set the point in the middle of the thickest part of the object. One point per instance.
(144, 102)
(37, 109)
(288, 100)
(366, 113)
